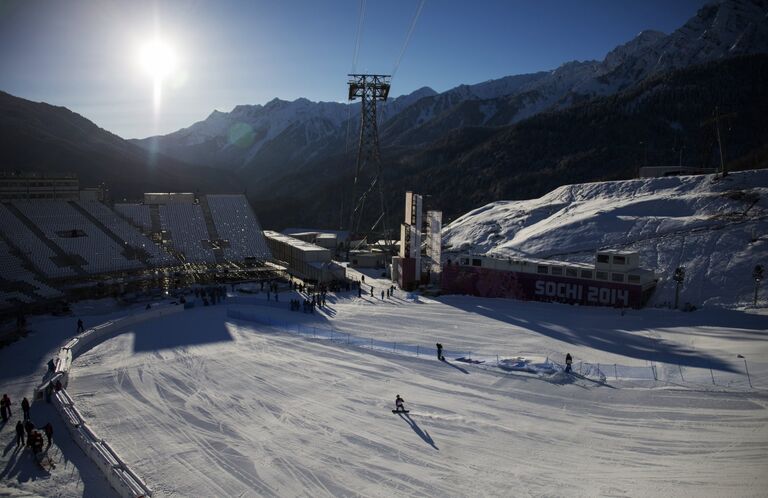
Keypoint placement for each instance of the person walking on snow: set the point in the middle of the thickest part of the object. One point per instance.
(440, 352)
(28, 428)
(48, 429)
(80, 327)
(568, 362)
(25, 408)
(399, 404)
(19, 434)
(5, 407)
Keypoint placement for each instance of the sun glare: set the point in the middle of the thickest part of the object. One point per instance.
(158, 59)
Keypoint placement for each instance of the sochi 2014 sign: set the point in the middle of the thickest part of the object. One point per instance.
(577, 292)
(486, 282)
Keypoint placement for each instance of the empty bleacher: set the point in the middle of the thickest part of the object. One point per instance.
(100, 252)
(129, 234)
(57, 243)
(186, 226)
(37, 251)
(236, 223)
(18, 284)
(137, 213)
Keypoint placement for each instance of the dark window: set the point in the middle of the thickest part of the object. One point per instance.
(619, 260)
(542, 269)
(556, 270)
(601, 275)
(586, 274)
(571, 272)
(633, 278)
(602, 258)
(617, 277)
(476, 262)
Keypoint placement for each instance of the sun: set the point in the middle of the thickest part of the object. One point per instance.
(158, 59)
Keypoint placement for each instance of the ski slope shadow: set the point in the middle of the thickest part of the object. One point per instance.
(424, 435)
(456, 367)
(190, 328)
(595, 328)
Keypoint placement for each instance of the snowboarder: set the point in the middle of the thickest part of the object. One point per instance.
(19, 434)
(440, 352)
(5, 407)
(382, 295)
(568, 362)
(371, 291)
(48, 429)
(80, 327)
(25, 408)
(399, 404)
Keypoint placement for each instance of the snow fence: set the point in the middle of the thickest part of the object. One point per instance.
(650, 374)
(119, 475)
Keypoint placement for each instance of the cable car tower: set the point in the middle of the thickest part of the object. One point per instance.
(370, 88)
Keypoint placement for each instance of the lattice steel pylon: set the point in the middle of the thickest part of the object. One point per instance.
(370, 88)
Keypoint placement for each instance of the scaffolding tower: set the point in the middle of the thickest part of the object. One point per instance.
(370, 88)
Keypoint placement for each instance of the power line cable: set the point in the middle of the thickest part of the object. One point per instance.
(358, 35)
(408, 35)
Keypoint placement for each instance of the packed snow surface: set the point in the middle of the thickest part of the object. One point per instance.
(203, 404)
(716, 228)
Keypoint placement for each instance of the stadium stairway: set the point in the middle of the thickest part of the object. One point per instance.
(129, 252)
(62, 258)
(213, 234)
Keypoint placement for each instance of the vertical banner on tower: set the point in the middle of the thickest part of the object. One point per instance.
(434, 241)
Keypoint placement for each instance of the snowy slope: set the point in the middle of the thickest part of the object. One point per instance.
(702, 223)
(220, 407)
(200, 404)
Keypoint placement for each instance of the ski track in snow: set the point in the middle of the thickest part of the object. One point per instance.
(265, 413)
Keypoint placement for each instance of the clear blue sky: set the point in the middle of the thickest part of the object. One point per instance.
(84, 54)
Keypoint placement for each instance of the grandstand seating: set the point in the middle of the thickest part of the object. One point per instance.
(35, 249)
(121, 228)
(101, 253)
(137, 213)
(57, 239)
(13, 271)
(236, 223)
(186, 225)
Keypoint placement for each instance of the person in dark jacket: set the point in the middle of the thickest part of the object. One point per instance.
(5, 408)
(19, 434)
(80, 327)
(25, 408)
(568, 362)
(440, 352)
(29, 427)
(399, 404)
(48, 429)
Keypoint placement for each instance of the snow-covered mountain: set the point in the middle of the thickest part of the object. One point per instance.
(714, 227)
(255, 138)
